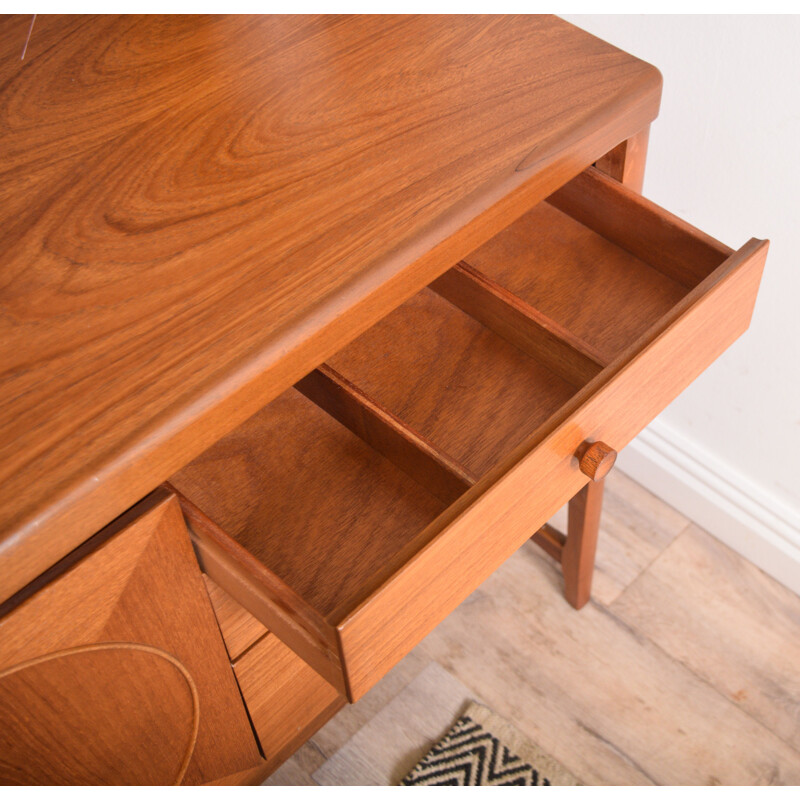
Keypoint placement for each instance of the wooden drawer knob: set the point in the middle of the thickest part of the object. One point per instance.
(596, 459)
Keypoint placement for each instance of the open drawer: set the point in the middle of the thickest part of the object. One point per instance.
(359, 508)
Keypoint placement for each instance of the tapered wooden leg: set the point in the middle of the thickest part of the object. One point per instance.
(626, 161)
(583, 525)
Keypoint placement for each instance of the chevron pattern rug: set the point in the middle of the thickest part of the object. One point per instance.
(482, 749)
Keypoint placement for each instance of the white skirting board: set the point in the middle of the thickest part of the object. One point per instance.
(765, 530)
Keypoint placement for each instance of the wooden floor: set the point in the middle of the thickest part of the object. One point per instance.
(684, 668)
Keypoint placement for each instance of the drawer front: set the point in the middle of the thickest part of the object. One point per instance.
(484, 532)
(357, 510)
(287, 700)
(114, 672)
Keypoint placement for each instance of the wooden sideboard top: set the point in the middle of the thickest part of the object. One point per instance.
(198, 210)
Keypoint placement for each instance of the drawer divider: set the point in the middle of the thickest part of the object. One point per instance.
(411, 452)
(520, 324)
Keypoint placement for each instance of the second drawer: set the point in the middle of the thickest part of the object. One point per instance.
(356, 510)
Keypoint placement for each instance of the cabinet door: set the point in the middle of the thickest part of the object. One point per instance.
(115, 671)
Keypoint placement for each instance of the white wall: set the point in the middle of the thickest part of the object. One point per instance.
(725, 155)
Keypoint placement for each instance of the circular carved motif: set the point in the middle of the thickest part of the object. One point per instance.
(111, 713)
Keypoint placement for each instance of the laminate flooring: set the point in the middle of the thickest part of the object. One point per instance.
(683, 669)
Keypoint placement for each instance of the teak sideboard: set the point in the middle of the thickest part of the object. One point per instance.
(308, 324)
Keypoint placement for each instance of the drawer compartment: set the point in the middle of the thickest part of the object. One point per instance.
(324, 494)
(356, 510)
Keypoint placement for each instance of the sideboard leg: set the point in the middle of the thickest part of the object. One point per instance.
(583, 525)
(626, 161)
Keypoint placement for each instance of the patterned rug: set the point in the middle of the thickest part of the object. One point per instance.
(482, 749)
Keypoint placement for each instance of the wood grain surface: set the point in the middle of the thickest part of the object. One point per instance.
(595, 459)
(665, 242)
(471, 392)
(389, 435)
(478, 532)
(339, 551)
(46, 701)
(286, 699)
(626, 162)
(139, 592)
(577, 560)
(266, 595)
(598, 290)
(309, 499)
(196, 211)
(519, 323)
(239, 628)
